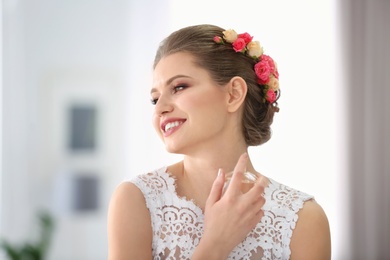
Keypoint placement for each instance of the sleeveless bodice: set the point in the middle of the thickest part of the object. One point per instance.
(177, 222)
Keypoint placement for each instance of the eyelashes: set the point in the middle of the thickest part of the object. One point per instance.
(175, 90)
(179, 88)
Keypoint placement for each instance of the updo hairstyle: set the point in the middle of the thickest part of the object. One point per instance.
(223, 63)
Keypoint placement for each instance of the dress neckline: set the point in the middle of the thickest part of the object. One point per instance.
(172, 186)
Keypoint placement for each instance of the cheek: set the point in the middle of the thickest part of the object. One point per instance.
(209, 104)
(205, 100)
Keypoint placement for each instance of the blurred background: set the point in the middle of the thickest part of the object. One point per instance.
(76, 117)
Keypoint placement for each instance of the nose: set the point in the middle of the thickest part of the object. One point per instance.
(163, 106)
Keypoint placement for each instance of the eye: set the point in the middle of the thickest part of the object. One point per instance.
(179, 88)
(154, 101)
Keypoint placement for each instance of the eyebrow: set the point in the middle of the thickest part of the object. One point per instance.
(169, 81)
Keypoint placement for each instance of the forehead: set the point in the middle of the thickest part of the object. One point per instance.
(180, 63)
(177, 63)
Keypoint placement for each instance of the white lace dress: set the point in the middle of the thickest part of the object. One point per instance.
(177, 223)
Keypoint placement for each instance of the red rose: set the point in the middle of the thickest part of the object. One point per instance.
(239, 45)
(246, 36)
(270, 61)
(271, 64)
(271, 96)
(263, 71)
(276, 73)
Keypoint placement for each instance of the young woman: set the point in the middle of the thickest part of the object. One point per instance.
(215, 94)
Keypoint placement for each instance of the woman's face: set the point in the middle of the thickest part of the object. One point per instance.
(190, 108)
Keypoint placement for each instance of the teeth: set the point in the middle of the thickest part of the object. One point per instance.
(171, 125)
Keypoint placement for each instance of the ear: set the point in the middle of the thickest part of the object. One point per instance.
(237, 89)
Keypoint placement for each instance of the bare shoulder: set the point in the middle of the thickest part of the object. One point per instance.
(311, 236)
(129, 224)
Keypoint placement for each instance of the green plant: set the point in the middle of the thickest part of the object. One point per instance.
(32, 251)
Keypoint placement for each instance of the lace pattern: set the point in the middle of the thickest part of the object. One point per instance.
(177, 223)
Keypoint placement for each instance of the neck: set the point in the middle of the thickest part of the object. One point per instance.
(203, 167)
(198, 170)
(202, 161)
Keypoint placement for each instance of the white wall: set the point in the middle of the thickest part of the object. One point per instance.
(56, 53)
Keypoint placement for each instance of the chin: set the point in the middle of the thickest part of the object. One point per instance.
(174, 150)
(175, 147)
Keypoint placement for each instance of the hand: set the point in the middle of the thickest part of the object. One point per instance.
(229, 218)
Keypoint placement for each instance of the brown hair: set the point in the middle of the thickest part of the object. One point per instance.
(223, 63)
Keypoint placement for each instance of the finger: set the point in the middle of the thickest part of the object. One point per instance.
(256, 213)
(259, 215)
(216, 189)
(259, 205)
(257, 191)
(262, 181)
(239, 169)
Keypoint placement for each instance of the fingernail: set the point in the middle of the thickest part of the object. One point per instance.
(219, 172)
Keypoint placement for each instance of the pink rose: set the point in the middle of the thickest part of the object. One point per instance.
(263, 72)
(271, 64)
(271, 96)
(276, 72)
(268, 60)
(247, 38)
(239, 45)
(218, 39)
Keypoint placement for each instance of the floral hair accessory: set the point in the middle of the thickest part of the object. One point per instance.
(265, 68)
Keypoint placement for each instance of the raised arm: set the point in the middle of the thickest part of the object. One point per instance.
(229, 218)
(311, 236)
(129, 225)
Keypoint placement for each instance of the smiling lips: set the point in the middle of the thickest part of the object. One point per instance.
(171, 125)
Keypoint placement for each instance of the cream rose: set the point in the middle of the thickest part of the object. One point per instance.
(254, 49)
(273, 83)
(230, 35)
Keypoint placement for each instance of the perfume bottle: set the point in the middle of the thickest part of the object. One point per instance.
(248, 178)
